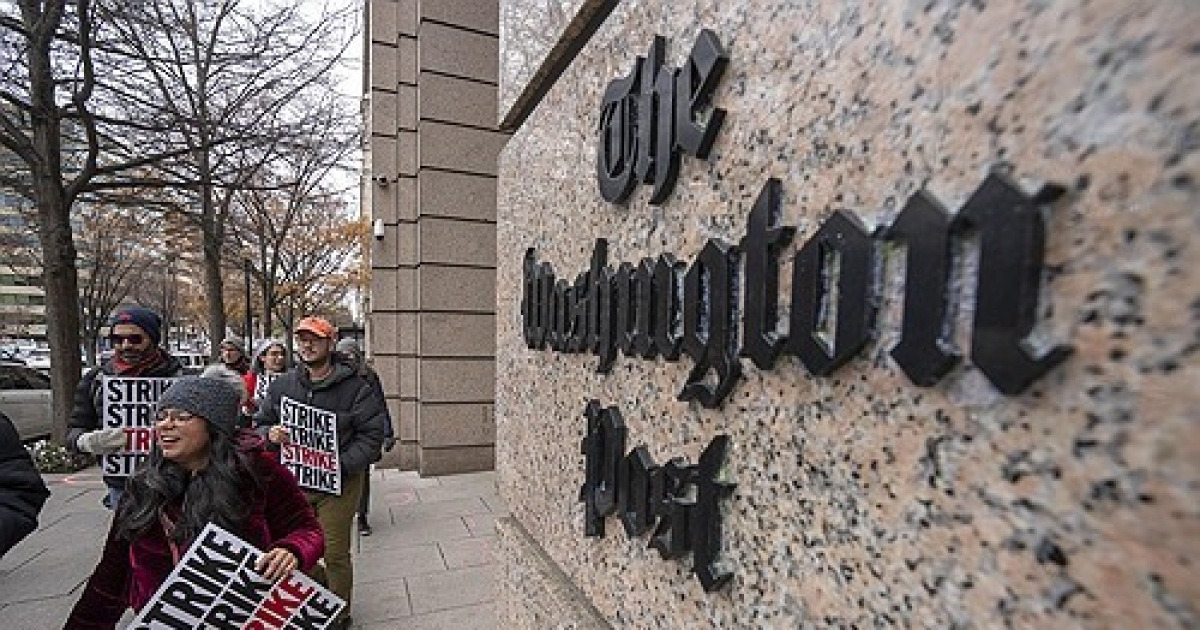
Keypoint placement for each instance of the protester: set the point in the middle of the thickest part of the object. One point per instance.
(201, 469)
(325, 381)
(233, 355)
(22, 491)
(350, 349)
(270, 360)
(135, 337)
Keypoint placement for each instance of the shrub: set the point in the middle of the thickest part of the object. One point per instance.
(55, 458)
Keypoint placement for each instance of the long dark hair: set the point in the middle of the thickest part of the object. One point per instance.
(215, 494)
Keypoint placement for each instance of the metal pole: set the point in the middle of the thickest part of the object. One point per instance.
(249, 336)
(287, 335)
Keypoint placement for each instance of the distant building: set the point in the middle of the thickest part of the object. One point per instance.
(22, 299)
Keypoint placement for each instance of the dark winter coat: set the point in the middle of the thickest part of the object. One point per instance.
(22, 492)
(359, 407)
(366, 371)
(89, 402)
(129, 573)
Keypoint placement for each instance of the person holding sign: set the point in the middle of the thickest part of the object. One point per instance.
(328, 421)
(270, 360)
(134, 336)
(202, 470)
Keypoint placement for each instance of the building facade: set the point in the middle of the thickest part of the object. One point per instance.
(430, 185)
(22, 299)
(848, 314)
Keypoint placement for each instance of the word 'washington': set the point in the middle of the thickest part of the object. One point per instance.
(662, 308)
(683, 498)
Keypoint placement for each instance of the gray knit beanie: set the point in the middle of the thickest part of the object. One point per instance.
(214, 399)
(234, 343)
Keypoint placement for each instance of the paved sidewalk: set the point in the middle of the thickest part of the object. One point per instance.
(428, 565)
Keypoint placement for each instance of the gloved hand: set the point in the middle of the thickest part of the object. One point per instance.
(102, 441)
(389, 444)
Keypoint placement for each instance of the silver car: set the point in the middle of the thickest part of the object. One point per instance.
(25, 399)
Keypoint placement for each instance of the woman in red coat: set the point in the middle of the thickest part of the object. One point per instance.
(202, 469)
(270, 361)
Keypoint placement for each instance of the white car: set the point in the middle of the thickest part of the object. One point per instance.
(38, 359)
(25, 399)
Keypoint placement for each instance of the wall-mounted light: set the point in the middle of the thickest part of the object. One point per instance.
(377, 229)
(382, 180)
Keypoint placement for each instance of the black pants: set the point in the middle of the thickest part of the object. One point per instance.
(364, 500)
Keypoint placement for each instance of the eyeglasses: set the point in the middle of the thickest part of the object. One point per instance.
(277, 353)
(176, 417)
(134, 339)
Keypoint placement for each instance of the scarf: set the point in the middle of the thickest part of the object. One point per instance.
(150, 361)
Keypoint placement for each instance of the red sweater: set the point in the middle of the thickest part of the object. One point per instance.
(250, 379)
(129, 573)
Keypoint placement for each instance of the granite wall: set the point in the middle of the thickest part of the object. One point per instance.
(863, 499)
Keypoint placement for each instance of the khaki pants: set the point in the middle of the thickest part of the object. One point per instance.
(336, 514)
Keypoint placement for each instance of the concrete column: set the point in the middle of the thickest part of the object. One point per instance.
(432, 120)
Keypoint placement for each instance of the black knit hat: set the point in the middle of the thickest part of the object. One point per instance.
(214, 399)
(143, 318)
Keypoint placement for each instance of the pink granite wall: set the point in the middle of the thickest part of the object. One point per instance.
(862, 499)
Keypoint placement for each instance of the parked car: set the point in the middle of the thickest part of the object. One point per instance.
(38, 359)
(10, 356)
(25, 399)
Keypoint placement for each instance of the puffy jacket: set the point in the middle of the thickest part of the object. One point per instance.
(129, 572)
(358, 405)
(88, 402)
(22, 492)
(366, 371)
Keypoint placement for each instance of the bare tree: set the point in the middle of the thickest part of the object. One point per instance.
(306, 249)
(119, 249)
(94, 91)
(299, 184)
(49, 64)
(226, 74)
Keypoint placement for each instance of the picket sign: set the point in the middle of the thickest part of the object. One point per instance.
(215, 586)
(128, 403)
(312, 451)
(262, 382)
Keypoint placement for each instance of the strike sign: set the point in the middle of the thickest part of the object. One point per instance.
(215, 586)
(262, 383)
(128, 403)
(312, 450)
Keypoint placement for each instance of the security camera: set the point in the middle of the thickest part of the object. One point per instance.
(382, 180)
(377, 229)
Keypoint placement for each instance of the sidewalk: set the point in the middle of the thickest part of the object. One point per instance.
(428, 565)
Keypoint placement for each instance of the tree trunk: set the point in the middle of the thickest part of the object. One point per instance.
(212, 233)
(61, 284)
(268, 298)
(59, 276)
(214, 288)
